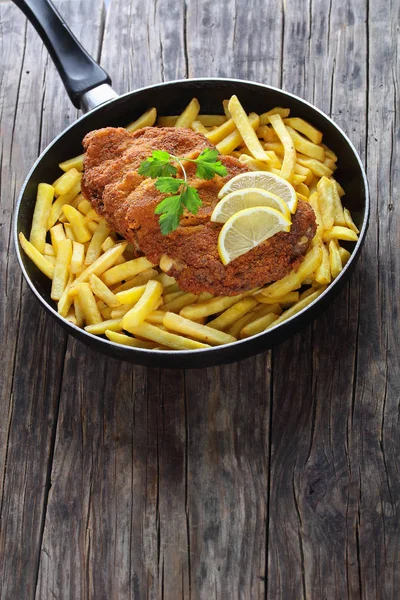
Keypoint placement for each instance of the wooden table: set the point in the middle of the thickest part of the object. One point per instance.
(275, 477)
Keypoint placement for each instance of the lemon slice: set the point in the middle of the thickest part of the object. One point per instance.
(266, 181)
(247, 198)
(248, 228)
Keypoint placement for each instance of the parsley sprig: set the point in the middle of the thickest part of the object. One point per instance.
(160, 166)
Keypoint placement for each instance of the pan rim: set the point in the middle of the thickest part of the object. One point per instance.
(237, 343)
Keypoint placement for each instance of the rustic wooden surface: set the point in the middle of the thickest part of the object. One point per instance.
(276, 477)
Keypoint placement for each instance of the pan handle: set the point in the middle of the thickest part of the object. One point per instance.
(87, 84)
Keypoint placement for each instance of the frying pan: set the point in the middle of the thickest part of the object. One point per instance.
(89, 88)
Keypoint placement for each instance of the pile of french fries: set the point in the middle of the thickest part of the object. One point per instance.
(98, 283)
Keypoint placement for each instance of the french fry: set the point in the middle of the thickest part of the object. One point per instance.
(323, 272)
(88, 304)
(79, 314)
(234, 139)
(207, 120)
(305, 128)
(189, 114)
(335, 260)
(61, 270)
(253, 164)
(233, 313)
(118, 313)
(289, 159)
(72, 163)
(102, 292)
(172, 295)
(140, 279)
(165, 280)
(78, 256)
(67, 182)
(126, 271)
(77, 222)
(57, 206)
(171, 289)
(296, 308)
(314, 202)
(109, 325)
(69, 232)
(149, 301)
(349, 221)
(278, 110)
(340, 233)
(288, 298)
(303, 189)
(41, 213)
(305, 146)
(217, 135)
(156, 317)
(246, 130)
(316, 166)
(84, 206)
(49, 250)
(107, 244)
(91, 225)
(209, 307)
(126, 340)
(131, 296)
(344, 255)
(326, 202)
(267, 133)
(147, 119)
(57, 235)
(99, 237)
(206, 334)
(40, 261)
(258, 325)
(103, 263)
(171, 340)
(66, 300)
(199, 127)
(177, 304)
(339, 188)
(293, 281)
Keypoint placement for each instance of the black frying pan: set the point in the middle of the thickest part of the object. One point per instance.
(88, 86)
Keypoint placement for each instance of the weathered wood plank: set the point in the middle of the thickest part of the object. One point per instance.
(32, 356)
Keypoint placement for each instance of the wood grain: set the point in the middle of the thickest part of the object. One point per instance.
(276, 477)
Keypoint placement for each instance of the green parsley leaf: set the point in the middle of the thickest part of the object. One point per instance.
(170, 210)
(208, 165)
(158, 165)
(191, 199)
(168, 185)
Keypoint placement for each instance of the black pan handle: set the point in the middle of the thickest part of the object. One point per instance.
(77, 69)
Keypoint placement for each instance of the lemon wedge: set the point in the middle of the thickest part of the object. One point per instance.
(247, 228)
(247, 198)
(266, 181)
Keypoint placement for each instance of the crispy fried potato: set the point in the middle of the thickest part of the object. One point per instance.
(189, 114)
(102, 292)
(40, 261)
(195, 330)
(61, 270)
(258, 325)
(88, 304)
(246, 130)
(293, 281)
(234, 139)
(72, 163)
(278, 110)
(289, 158)
(41, 213)
(126, 271)
(233, 313)
(147, 119)
(77, 222)
(323, 272)
(335, 260)
(109, 325)
(126, 340)
(148, 302)
(171, 340)
(103, 263)
(305, 128)
(99, 237)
